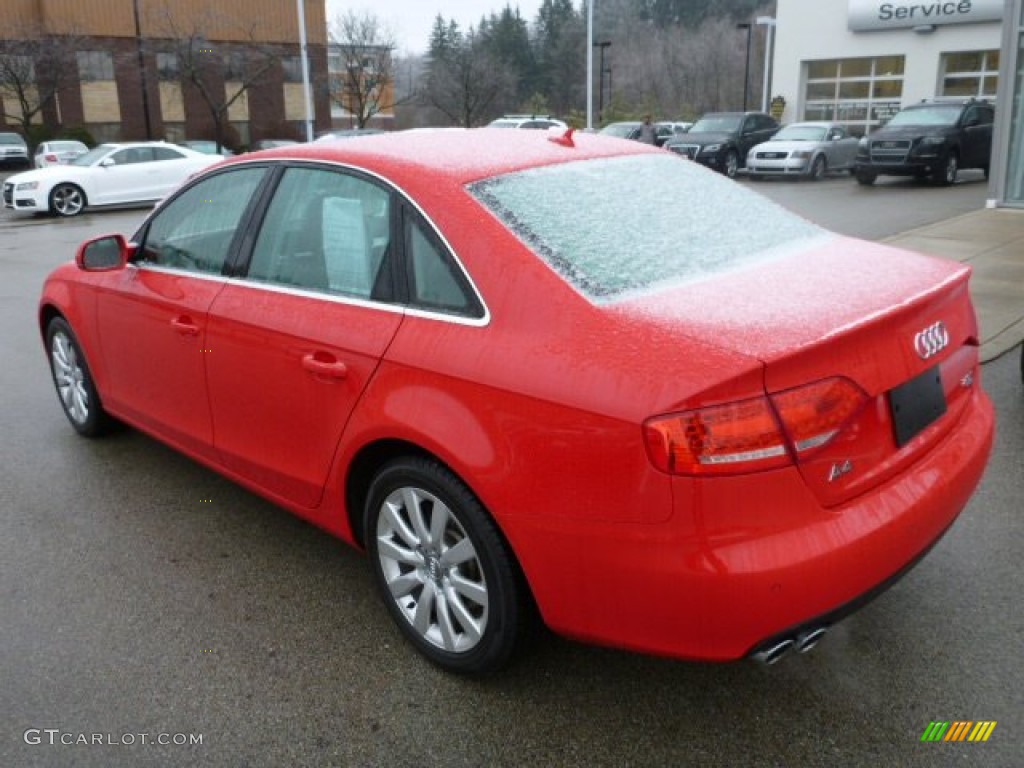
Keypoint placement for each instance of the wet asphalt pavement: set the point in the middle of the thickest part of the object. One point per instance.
(143, 596)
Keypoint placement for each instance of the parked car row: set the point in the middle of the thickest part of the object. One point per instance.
(931, 140)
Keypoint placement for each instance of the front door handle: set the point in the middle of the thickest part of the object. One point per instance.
(324, 365)
(183, 324)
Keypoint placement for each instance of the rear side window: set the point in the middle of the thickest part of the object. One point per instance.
(618, 226)
(435, 282)
(326, 231)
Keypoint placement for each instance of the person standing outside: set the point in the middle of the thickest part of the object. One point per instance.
(648, 134)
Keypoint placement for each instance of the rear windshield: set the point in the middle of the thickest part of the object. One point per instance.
(618, 226)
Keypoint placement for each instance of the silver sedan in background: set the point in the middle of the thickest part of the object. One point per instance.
(805, 150)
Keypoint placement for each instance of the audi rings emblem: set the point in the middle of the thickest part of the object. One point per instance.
(932, 340)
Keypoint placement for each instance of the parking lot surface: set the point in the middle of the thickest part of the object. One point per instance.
(142, 596)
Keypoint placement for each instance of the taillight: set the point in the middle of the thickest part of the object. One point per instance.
(752, 435)
(50, 158)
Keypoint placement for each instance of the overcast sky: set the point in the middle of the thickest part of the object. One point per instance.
(411, 20)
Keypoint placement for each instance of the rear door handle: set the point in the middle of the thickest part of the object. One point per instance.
(324, 365)
(184, 325)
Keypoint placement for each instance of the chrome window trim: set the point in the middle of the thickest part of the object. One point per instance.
(408, 308)
(333, 298)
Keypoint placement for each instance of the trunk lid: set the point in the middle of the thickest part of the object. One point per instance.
(899, 325)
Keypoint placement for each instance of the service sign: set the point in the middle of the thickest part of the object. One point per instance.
(871, 15)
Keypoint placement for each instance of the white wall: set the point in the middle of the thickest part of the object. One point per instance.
(808, 30)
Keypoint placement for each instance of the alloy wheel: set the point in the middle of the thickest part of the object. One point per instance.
(432, 569)
(70, 378)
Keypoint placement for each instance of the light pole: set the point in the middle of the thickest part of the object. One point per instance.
(746, 71)
(769, 39)
(590, 65)
(600, 78)
(303, 49)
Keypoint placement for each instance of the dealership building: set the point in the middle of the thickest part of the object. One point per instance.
(860, 61)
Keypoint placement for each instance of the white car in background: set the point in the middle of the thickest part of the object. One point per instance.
(138, 173)
(60, 152)
(805, 150)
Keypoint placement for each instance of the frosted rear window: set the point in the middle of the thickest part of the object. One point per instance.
(618, 226)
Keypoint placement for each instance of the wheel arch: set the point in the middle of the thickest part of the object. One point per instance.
(367, 462)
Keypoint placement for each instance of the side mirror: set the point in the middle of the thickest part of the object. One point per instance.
(971, 122)
(106, 162)
(103, 254)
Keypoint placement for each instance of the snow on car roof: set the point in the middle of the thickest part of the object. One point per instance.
(463, 155)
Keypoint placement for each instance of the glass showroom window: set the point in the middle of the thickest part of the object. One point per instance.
(860, 93)
(970, 74)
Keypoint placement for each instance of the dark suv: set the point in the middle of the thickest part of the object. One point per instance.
(929, 140)
(721, 140)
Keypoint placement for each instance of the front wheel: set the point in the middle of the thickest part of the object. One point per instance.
(732, 164)
(71, 377)
(442, 567)
(946, 173)
(865, 178)
(67, 200)
(818, 168)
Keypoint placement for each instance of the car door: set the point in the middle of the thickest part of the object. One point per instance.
(152, 318)
(121, 177)
(840, 148)
(977, 144)
(294, 342)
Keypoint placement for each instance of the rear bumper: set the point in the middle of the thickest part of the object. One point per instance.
(746, 560)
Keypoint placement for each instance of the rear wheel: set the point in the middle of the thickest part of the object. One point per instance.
(945, 174)
(73, 381)
(67, 200)
(443, 569)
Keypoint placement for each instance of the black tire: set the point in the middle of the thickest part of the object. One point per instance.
(818, 168)
(731, 164)
(945, 175)
(465, 612)
(67, 200)
(865, 178)
(73, 381)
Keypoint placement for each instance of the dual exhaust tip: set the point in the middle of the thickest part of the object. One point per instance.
(802, 643)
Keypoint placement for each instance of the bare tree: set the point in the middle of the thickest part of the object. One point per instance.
(466, 81)
(364, 83)
(34, 66)
(221, 77)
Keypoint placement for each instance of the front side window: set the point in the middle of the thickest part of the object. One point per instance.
(194, 231)
(326, 231)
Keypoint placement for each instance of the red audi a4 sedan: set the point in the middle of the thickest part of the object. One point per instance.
(524, 388)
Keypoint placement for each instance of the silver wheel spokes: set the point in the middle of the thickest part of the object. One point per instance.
(70, 378)
(67, 200)
(432, 569)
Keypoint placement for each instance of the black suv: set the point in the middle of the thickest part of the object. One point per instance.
(929, 140)
(721, 140)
